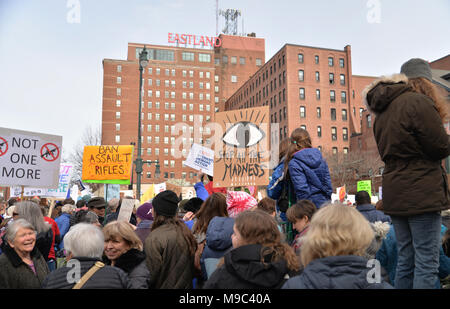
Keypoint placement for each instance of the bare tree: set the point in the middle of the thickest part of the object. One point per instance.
(90, 137)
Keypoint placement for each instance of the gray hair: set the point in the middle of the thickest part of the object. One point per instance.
(31, 212)
(13, 228)
(113, 204)
(68, 208)
(84, 240)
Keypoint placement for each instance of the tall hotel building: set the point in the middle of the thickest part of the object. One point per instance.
(180, 85)
(308, 87)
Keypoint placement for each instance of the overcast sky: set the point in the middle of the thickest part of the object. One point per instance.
(51, 73)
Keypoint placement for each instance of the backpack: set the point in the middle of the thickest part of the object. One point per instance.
(283, 201)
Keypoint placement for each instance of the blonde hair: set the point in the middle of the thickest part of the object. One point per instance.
(336, 229)
(122, 229)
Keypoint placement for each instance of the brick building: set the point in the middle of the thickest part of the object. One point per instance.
(182, 88)
(308, 87)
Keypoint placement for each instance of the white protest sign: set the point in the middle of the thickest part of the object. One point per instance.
(126, 209)
(201, 159)
(29, 158)
(159, 187)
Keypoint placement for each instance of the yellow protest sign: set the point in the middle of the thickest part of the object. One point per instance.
(107, 164)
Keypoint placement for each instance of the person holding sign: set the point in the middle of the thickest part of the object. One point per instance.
(412, 142)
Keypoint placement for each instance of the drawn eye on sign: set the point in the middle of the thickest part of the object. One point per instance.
(245, 133)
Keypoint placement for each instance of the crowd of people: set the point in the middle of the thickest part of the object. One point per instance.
(225, 238)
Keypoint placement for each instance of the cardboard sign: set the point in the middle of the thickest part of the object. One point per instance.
(364, 185)
(107, 164)
(111, 191)
(242, 153)
(126, 209)
(29, 159)
(201, 159)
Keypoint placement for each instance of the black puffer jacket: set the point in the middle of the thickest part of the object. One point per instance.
(133, 263)
(337, 272)
(412, 141)
(243, 269)
(107, 277)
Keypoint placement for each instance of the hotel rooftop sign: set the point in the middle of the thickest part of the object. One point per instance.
(195, 40)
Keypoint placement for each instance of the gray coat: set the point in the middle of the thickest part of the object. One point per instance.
(15, 274)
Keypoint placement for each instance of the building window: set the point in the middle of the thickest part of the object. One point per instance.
(341, 62)
(318, 112)
(216, 61)
(117, 126)
(119, 68)
(333, 134)
(302, 112)
(187, 56)
(333, 114)
(117, 138)
(149, 175)
(242, 60)
(158, 71)
(331, 78)
(300, 58)
(342, 78)
(233, 79)
(319, 131)
(318, 94)
(118, 103)
(360, 112)
(258, 62)
(150, 71)
(344, 115)
(204, 57)
(334, 150)
(345, 150)
(119, 80)
(330, 61)
(317, 76)
(343, 97)
(302, 93)
(345, 134)
(316, 59)
(301, 75)
(233, 59)
(332, 96)
(117, 115)
(369, 121)
(118, 91)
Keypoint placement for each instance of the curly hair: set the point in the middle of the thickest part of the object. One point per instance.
(425, 87)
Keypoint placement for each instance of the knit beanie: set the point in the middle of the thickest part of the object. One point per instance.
(145, 211)
(416, 67)
(238, 201)
(193, 204)
(166, 203)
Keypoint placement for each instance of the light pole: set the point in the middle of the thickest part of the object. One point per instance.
(143, 62)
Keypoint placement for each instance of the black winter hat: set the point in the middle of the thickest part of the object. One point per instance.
(166, 203)
(416, 67)
(96, 202)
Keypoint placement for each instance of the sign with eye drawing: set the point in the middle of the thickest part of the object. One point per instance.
(241, 152)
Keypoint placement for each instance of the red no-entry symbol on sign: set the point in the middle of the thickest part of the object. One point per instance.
(49, 152)
(3, 146)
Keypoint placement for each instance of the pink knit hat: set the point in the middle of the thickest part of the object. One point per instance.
(238, 201)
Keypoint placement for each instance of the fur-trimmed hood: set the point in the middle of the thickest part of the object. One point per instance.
(381, 92)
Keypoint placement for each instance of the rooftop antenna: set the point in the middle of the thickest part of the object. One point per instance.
(231, 21)
(217, 17)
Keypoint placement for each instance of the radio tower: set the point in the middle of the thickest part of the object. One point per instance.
(231, 21)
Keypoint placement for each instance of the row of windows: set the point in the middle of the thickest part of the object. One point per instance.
(319, 113)
(172, 72)
(172, 94)
(301, 59)
(233, 60)
(172, 175)
(190, 56)
(301, 77)
(302, 95)
(171, 117)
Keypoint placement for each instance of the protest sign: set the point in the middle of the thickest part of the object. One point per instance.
(242, 153)
(341, 193)
(364, 185)
(188, 192)
(107, 164)
(29, 158)
(126, 209)
(201, 159)
(111, 191)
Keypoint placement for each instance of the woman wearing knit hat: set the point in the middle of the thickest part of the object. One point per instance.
(412, 142)
(144, 218)
(170, 247)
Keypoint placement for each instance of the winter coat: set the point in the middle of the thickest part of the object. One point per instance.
(243, 269)
(218, 242)
(387, 256)
(275, 187)
(107, 277)
(15, 274)
(56, 237)
(412, 141)
(168, 259)
(133, 264)
(44, 241)
(371, 214)
(310, 176)
(336, 272)
(143, 229)
(63, 222)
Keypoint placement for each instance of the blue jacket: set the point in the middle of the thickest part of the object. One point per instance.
(218, 242)
(275, 186)
(372, 214)
(63, 222)
(387, 256)
(335, 272)
(310, 176)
